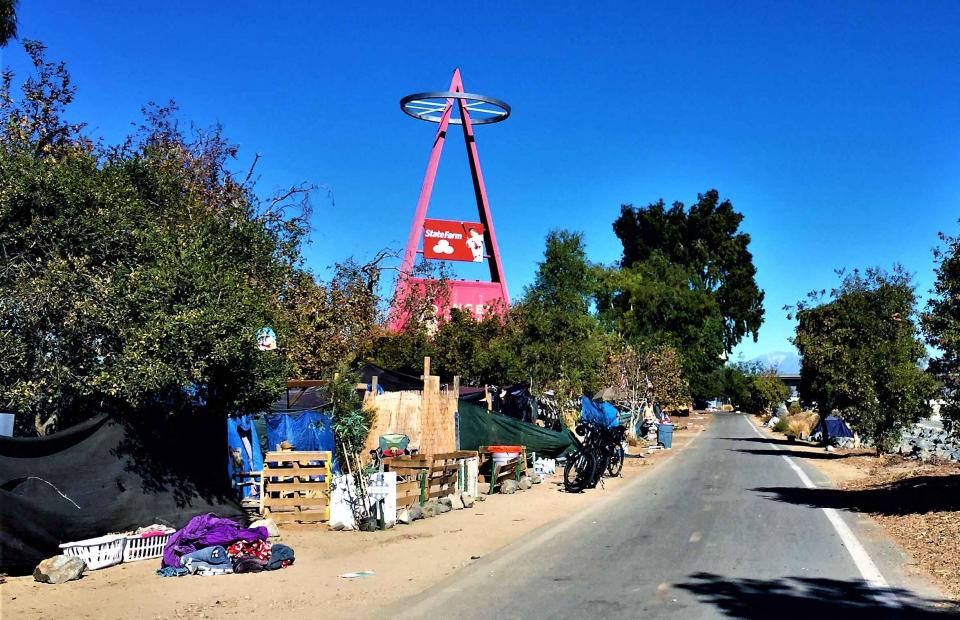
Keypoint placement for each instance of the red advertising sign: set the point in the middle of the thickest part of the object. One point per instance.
(446, 240)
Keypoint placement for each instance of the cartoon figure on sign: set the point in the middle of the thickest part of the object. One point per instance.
(266, 339)
(475, 243)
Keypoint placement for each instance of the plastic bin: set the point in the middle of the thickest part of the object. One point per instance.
(97, 552)
(145, 547)
(665, 435)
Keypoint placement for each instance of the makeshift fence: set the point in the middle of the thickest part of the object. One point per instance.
(295, 486)
(422, 477)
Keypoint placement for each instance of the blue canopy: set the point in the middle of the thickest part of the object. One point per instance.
(307, 431)
(602, 413)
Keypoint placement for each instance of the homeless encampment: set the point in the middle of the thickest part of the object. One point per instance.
(479, 427)
(104, 476)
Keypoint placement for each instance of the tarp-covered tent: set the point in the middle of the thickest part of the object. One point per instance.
(604, 414)
(836, 427)
(479, 427)
(389, 380)
(102, 476)
(303, 418)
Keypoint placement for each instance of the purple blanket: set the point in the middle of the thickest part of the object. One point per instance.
(205, 531)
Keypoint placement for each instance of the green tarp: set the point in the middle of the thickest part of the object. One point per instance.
(479, 427)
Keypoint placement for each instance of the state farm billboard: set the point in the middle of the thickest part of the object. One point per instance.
(447, 240)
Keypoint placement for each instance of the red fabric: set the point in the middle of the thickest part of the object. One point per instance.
(259, 549)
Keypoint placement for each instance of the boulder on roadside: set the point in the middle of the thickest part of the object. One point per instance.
(272, 528)
(430, 508)
(444, 504)
(59, 569)
(456, 502)
(525, 483)
(416, 511)
(508, 487)
(467, 499)
(404, 517)
(536, 479)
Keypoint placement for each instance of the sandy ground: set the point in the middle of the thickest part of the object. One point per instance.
(407, 560)
(917, 504)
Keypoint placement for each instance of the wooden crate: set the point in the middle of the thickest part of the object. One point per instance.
(295, 486)
(411, 472)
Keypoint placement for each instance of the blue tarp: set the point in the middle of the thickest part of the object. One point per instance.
(244, 455)
(307, 431)
(599, 412)
(835, 428)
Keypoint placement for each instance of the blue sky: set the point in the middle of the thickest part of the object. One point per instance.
(833, 126)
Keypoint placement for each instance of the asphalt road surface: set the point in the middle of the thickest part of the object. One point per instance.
(728, 527)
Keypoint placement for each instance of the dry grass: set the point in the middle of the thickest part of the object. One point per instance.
(802, 423)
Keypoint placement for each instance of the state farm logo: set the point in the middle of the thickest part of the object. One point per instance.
(442, 234)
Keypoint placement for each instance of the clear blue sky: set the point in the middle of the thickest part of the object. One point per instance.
(833, 126)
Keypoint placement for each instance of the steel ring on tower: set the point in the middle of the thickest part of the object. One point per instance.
(429, 107)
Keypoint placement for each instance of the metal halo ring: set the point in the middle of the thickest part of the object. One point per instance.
(432, 112)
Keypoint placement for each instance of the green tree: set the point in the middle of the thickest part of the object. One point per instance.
(766, 391)
(562, 343)
(652, 305)
(860, 354)
(8, 21)
(692, 269)
(941, 324)
(133, 277)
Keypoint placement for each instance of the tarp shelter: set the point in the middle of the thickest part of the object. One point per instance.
(303, 418)
(389, 380)
(604, 414)
(245, 455)
(103, 476)
(479, 427)
(835, 427)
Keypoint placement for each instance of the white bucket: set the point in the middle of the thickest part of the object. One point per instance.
(500, 458)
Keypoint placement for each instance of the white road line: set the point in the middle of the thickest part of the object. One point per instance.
(871, 574)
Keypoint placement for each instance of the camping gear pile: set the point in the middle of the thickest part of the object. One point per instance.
(210, 545)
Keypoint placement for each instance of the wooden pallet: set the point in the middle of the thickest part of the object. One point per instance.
(295, 486)
(411, 472)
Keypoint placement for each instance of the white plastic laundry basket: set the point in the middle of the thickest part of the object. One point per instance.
(97, 552)
(144, 547)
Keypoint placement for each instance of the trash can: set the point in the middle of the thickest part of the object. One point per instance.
(665, 435)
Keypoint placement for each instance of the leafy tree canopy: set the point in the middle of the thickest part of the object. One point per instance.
(941, 323)
(704, 246)
(134, 276)
(860, 354)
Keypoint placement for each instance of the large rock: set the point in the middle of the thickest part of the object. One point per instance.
(404, 517)
(416, 511)
(508, 487)
(272, 528)
(536, 479)
(430, 508)
(456, 502)
(444, 504)
(59, 569)
(525, 483)
(467, 499)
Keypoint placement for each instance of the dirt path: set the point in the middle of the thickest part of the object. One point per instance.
(406, 560)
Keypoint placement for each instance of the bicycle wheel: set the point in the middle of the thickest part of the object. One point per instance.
(600, 466)
(578, 472)
(615, 465)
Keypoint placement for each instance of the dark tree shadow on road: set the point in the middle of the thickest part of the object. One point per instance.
(799, 455)
(779, 442)
(915, 495)
(807, 598)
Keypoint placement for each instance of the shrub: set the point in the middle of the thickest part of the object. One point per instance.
(782, 425)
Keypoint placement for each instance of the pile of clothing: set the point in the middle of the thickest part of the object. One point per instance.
(210, 545)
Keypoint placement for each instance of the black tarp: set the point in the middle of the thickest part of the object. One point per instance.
(102, 476)
(389, 380)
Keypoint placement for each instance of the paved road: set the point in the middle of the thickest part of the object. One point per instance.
(726, 528)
